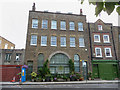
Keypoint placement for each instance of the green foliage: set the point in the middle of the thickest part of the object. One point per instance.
(90, 75)
(98, 8)
(43, 71)
(106, 6)
(71, 65)
(33, 74)
(118, 10)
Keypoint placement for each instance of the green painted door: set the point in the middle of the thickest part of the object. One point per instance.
(106, 71)
(95, 71)
(115, 71)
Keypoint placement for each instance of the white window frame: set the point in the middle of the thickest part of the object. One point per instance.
(71, 25)
(109, 51)
(34, 23)
(6, 46)
(98, 37)
(53, 39)
(108, 39)
(63, 41)
(63, 25)
(81, 42)
(72, 43)
(96, 52)
(100, 27)
(53, 24)
(35, 38)
(80, 26)
(43, 40)
(44, 24)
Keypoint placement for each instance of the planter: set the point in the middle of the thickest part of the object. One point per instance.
(60, 80)
(47, 79)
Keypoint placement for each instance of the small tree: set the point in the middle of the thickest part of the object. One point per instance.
(71, 66)
(44, 70)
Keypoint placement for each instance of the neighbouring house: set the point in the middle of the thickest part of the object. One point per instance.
(5, 44)
(11, 61)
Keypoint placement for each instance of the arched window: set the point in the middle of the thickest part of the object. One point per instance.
(76, 63)
(40, 60)
(59, 63)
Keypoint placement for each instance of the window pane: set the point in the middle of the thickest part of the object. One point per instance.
(98, 52)
(44, 24)
(8, 56)
(63, 25)
(71, 26)
(34, 23)
(43, 40)
(81, 42)
(72, 42)
(108, 52)
(106, 38)
(40, 60)
(99, 27)
(53, 41)
(34, 40)
(80, 26)
(53, 24)
(96, 38)
(63, 41)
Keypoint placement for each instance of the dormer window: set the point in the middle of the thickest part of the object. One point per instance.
(100, 27)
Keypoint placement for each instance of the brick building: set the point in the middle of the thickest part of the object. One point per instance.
(104, 56)
(12, 56)
(57, 37)
(5, 44)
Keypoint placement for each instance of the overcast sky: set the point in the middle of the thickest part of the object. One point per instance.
(14, 16)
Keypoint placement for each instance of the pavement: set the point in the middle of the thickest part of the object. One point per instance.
(67, 82)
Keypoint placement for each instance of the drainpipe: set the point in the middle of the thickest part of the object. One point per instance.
(90, 54)
(113, 44)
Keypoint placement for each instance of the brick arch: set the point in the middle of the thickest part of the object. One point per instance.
(57, 53)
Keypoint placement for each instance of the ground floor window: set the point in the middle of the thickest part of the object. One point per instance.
(76, 63)
(59, 63)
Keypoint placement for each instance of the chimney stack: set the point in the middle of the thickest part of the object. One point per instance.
(81, 13)
(33, 7)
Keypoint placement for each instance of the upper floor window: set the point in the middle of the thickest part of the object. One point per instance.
(12, 47)
(53, 24)
(44, 24)
(63, 41)
(8, 56)
(106, 38)
(71, 26)
(33, 40)
(6, 46)
(108, 52)
(81, 42)
(62, 25)
(119, 37)
(98, 52)
(18, 56)
(43, 40)
(72, 41)
(96, 38)
(100, 27)
(80, 26)
(53, 41)
(34, 23)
